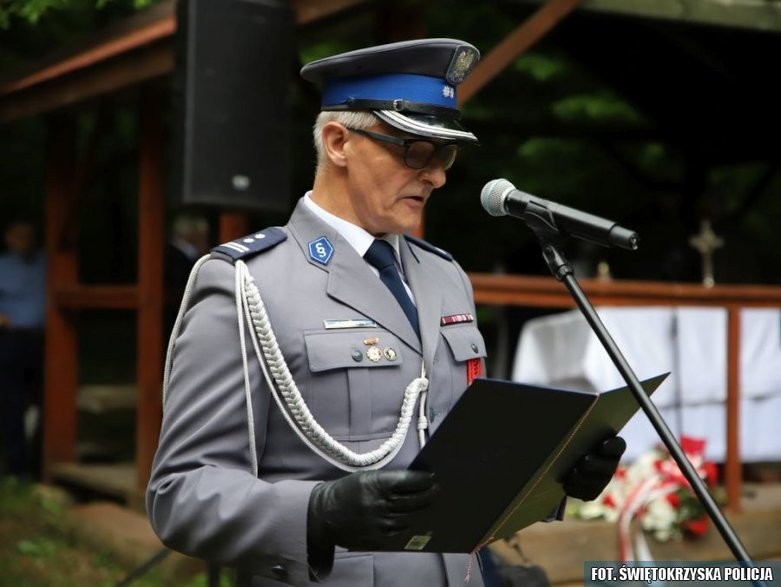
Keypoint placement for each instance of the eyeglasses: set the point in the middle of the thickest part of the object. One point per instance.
(418, 154)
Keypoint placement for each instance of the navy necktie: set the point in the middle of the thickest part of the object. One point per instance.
(382, 256)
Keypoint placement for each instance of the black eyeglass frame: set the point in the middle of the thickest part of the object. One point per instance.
(407, 143)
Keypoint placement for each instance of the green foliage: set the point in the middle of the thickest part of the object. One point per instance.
(599, 107)
(37, 548)
(41, 547)
(32, 11)
(541, 67)
(137, 4)
(29, 10)
(656, 158)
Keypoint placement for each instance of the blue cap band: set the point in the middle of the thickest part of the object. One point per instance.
(396, 86)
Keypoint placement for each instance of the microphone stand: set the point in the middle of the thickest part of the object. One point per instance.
(550, 240)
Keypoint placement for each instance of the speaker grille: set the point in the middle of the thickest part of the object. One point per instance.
(232, 83)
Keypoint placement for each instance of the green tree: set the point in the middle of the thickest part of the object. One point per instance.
(32, 11)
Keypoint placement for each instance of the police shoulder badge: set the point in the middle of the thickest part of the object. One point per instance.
(321, 250)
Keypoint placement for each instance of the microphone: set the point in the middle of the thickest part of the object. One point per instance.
(500, 198)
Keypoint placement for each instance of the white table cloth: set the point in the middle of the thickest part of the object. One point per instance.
(691, 343)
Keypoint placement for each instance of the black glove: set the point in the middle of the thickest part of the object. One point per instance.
(593, 471)
(362, 510)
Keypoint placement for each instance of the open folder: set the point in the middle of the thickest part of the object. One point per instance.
(500, 455)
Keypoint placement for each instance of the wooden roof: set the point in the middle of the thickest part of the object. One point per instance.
(132, 51)
(141, 48)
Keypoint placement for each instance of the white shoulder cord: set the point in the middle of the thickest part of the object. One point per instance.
(178, 323)
(291, 403)
(170, 353)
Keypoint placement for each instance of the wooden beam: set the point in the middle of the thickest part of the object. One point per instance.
(161, 29)
(60, 353)
(309, 11)
(514, 45)
(151, 291)
(82, 297)
(131, 58)
(103, 78)
(541, 292)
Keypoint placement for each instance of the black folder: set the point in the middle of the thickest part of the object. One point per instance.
(500, 455)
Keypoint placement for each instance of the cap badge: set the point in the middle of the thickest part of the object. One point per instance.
(461, 64)
(320, 250)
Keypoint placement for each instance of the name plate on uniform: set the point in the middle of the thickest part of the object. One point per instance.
(348, 323)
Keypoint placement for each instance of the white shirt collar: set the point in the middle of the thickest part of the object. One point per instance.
(358, 238)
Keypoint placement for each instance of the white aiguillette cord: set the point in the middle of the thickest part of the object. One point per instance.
(249, 305)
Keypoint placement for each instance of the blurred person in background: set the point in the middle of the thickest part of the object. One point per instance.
(22, 317)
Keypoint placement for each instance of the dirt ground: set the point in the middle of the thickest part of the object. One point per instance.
(38, 550)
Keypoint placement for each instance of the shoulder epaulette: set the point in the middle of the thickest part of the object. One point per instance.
(250, 245)
(429, 247)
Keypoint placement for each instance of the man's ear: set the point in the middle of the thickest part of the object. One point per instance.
(334, 140)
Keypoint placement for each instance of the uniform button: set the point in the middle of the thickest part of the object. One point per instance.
(474, 347)
(357, 356)
(279, 572)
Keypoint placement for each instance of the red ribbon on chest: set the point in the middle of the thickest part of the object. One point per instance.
(474, 368)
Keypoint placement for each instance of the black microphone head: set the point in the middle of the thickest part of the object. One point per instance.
(493, 195)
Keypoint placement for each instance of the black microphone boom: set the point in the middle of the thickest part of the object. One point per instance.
(500, 198)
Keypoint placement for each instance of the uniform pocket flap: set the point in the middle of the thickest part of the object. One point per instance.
(341, 350)
(465, 342)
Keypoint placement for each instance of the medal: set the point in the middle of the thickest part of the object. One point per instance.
(373, 353)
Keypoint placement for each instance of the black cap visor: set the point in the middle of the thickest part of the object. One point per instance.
(427, 125)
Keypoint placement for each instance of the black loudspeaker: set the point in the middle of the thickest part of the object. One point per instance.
(231, 109)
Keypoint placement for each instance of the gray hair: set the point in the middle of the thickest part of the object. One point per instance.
(358, 119)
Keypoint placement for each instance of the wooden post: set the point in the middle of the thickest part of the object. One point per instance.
(151, 210)
(60, 352)
(233, 224)
(733, 477)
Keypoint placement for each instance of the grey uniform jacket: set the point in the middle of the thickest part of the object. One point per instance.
(202, 497)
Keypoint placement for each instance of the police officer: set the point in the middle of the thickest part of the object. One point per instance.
(309, 362)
